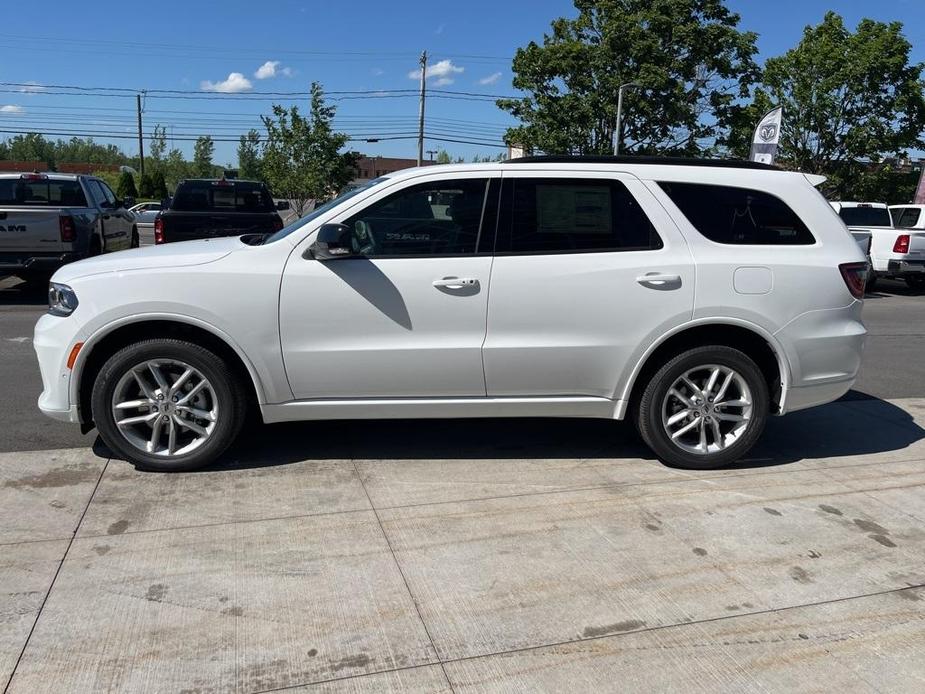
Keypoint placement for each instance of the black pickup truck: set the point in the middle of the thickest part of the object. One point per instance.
(206, 208)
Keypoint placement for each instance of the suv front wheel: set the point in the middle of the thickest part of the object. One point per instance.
(705, 408)
(166, 404)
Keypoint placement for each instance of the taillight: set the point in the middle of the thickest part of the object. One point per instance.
(855, 276)
(902, 244)
(68, 231)
(277, 223)
(159, 230)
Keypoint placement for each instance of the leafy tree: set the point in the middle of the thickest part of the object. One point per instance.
(443, 157)
(32, 147)
(301, 155)
(202, 157)
(176, 168)
(849, 98)
(160, 185)
(146, 187)
(249, 156)
(126, 187)
(689, 55)
(158, 146)
(4, 151)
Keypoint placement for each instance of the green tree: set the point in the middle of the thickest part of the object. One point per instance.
(126, 187)
(301, 155)
(32, 147)
(176, 168)
(249, 156)
(158, 147)
(443, 157)
(160, 185)
(692, 61)
(849, 98)
(202, 157)
(146, 187)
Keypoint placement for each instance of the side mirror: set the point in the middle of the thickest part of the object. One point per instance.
(282, 205)
(333, 241)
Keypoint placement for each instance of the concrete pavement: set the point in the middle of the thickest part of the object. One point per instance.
(475, 556)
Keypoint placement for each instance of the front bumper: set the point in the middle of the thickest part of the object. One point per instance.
(53, 339)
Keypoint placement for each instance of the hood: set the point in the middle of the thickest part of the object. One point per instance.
(183, 254)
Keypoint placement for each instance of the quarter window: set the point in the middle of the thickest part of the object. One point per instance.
(906, 217)
(738, 216)
(546, 215)
(438, 218)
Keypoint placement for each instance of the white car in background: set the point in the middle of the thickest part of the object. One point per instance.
(694, 298)
(894, 253)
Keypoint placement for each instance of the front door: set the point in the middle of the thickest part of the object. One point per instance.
(588, 268)
(405, 317)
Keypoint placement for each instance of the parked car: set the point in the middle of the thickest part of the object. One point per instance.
(145, 213)
(206, 208)
(50, 219)
(861, 235)
(908, 216)
(694, 298)
(893, 253)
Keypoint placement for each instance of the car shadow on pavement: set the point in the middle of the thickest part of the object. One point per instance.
(857, 426)
(15, 292)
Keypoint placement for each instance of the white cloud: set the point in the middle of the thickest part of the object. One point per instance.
(491, 79)
(272, 68)
(442, 70)
(32, 88)
(236, 82)
(286, 72)
(12, 108)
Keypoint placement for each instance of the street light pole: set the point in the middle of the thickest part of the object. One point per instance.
(618, 128)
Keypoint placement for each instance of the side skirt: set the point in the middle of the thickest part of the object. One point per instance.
(440, 408)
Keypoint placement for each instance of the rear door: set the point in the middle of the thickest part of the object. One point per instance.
(115, 220)
(587, 268)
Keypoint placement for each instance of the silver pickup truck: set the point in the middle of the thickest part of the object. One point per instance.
(50, 219)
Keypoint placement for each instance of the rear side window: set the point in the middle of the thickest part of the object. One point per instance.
(738, 216)
(222, 197)
(549, 215)
(906, 217)
(865, 216)
(42, 192)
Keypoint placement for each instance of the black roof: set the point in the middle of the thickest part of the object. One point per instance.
(670, 161)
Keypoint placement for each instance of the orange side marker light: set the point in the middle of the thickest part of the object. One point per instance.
(72, 357)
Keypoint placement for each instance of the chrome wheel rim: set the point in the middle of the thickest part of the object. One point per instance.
(165, 407)
(707, 409)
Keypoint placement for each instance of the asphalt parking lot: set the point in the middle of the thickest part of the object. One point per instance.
(536, 555)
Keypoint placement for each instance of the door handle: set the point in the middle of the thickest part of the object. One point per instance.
(455, 282)
(658, 280)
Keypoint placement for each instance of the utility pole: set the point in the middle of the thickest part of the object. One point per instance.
(141, 144)
(618, 128)
(421, 118)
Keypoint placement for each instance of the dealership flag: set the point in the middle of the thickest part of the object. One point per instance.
(767, 135)
(919, 198)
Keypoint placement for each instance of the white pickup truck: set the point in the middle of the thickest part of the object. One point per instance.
(896, 253)
(48, 220)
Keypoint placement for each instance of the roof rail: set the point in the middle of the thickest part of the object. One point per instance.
(629, 159)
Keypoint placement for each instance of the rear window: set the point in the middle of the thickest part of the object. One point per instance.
(906, 217)
(228, 197)
(738, 216)
(42, 192)
(865, 216)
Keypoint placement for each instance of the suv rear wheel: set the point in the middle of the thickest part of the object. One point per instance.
(705, 408)
(167, 405)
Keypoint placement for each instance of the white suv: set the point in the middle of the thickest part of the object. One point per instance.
(694, 297)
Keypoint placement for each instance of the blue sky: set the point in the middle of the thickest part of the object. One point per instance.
(284, 45)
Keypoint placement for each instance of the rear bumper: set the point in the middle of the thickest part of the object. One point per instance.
(906, 267)
(13, 263)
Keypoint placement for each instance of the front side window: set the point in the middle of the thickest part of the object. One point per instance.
(906, 217)
(436, 218)
(738, 216)
(550, 215)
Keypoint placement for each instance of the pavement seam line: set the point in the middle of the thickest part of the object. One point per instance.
(584, 639)
(401, 572)
(684, 479)
(54, 578)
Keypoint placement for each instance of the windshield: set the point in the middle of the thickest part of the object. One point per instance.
(865, 216)
(318, 211)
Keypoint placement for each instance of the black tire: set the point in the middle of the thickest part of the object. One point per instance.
(916, 282)
(135, 241)
(227, 389)
(649, 411)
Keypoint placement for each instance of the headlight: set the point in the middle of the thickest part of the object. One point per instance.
(61, 299)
